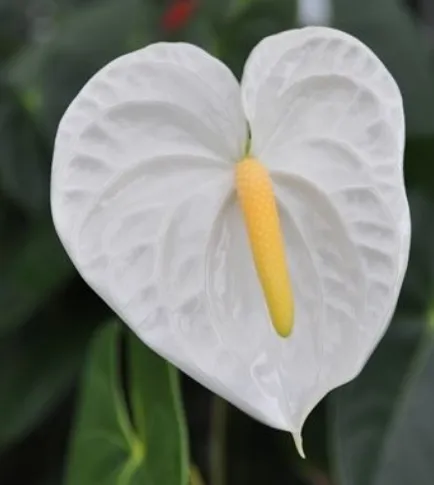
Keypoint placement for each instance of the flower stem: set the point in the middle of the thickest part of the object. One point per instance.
(219, 411)
(195, 476)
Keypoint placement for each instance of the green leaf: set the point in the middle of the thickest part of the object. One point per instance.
(388, 29)
(418, 288)
(109, 446)
(419, 169)
(104, 448)
(32, 276)
(24, 154)
(158, 415)
(52, 73)
(40, 365)
(410, 445)
(253, 20)
(13, 228)
(14, 23)
(365, 411)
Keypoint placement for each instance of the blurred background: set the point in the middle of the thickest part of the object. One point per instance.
(377, 430)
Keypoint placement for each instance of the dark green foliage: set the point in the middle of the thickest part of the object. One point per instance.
(117, 445)
(127, 426)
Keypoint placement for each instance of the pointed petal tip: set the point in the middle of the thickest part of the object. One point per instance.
(298, 440)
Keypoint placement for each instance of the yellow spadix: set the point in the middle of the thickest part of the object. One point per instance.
(258, 205)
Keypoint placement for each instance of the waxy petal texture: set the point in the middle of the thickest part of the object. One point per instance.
(143, 198)
(327, 119)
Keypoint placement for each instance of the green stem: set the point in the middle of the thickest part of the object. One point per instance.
(195, 476)
(219, 413)
(431, 317)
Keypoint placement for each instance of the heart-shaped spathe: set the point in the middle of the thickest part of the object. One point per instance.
(143, 199)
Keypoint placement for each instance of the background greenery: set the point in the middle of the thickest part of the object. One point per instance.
(75, 400)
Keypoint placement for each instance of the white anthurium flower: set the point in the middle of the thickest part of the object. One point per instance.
(254, 235)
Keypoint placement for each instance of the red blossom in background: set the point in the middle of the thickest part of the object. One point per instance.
(178, 14)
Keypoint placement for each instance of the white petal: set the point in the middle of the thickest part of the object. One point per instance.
(162, 100)
(282, 377)
(142, 169)
(325, 113)
(323, 88)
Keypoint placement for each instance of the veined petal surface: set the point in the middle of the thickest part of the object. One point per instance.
(326, 117)
(142, 171)
(165, 99)
(143, 200)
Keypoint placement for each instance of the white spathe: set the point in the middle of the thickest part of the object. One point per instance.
(143, 199)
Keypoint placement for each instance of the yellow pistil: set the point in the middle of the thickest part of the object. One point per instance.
(258, 205)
